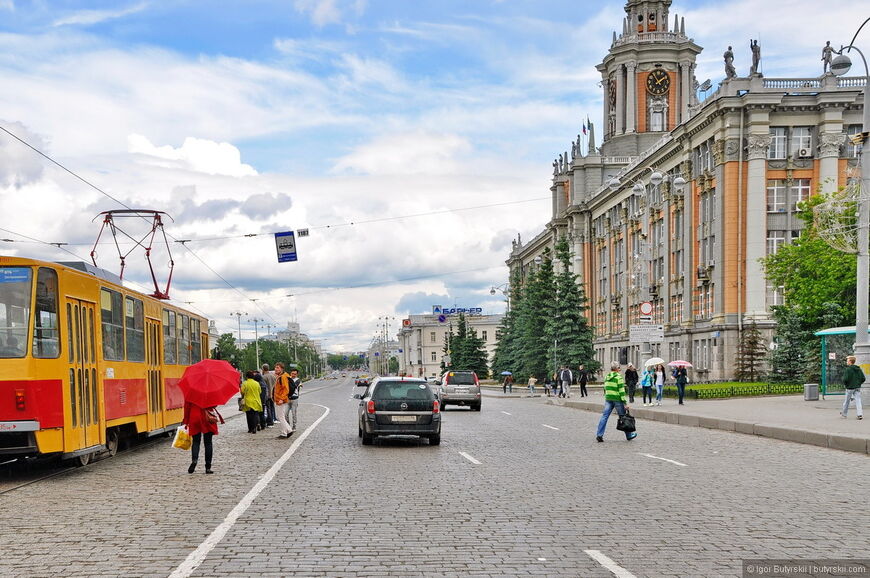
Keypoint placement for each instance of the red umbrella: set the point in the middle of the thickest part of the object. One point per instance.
(209, 383)
(680, 363)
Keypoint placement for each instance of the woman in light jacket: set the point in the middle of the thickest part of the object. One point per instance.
(252, 400)
(659, 377)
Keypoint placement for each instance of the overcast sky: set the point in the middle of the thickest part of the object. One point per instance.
(413, 139)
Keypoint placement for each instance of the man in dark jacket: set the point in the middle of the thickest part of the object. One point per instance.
(631, 381)
(582, 379)
(853, 377)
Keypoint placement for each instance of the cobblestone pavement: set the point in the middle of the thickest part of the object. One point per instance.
(543, 493)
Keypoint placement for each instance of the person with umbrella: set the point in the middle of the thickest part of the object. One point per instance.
(206, 385)
(681, 376)
(508, 382)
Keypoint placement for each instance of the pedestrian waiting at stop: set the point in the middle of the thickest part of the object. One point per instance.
(614, 398)
(282, 400)
(253, 405)
(269, 406)
(631, 381)
(853, 377)
(202, 425)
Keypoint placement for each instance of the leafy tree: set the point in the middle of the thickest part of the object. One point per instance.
(569, 325)
(393, 366)
(751, 354)
(226, 349)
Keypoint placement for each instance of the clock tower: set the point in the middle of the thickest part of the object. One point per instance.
(648, 78)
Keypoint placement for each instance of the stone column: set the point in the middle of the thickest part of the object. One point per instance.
(685, 90)
(829, 155)
(756, 224)
(620, 101)
(631, 97)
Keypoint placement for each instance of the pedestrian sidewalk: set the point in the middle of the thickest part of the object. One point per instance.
(787, 418)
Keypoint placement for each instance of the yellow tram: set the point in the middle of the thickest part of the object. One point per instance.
(86, 362)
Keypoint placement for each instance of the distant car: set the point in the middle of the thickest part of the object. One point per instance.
(362, 382)
(399, 406)
(460, 388)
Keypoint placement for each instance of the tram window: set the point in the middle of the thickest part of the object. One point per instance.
(95, 395)
(195, 342)
(169, 339)
(135, 317)
(112, 317)
(183, 339)
(69, 328)
(15, 288)
(46, 333)
(72, 396)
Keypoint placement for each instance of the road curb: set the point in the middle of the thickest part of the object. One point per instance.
(842, 442)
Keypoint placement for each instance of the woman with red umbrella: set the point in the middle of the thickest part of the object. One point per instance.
(205, 386)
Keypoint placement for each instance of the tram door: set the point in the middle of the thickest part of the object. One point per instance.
(83, 426)
(156, 403)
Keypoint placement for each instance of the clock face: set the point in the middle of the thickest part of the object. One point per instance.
(658, 82)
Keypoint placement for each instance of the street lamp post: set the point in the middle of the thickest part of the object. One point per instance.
(840, 65)
(257, 341)
(239, 315)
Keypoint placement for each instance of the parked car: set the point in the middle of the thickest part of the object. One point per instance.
(460, 388)
(399, 406)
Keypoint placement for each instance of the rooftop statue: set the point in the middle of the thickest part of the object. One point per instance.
(756, 57)
(827, 57)
(730, 71)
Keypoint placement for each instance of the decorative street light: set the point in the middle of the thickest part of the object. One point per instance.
(505, 289)
(839, 66)
(257, 341)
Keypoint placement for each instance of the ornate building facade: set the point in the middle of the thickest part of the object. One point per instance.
(684, 197)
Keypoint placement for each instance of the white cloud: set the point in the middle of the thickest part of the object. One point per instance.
(322, 12)
(196, 154)
(19, 165)
(408, 153)
(89, 17)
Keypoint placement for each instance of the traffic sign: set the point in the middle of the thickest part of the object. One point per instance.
(442, 318)
(646, 308)
(286, 245)
(646, 333)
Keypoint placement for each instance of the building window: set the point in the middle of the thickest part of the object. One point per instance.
(774, 240)
(657, 120)
(432, 337)
(483, 335)
(112, 318)
(775, 196)
(778, 142)
(852, 149)
(800, 192)
(801, 141)
(434, 356)
(774, 295)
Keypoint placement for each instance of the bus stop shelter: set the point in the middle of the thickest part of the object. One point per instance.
(837, 343)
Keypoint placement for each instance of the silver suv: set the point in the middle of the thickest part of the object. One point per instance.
(399, 406)
(460, 388)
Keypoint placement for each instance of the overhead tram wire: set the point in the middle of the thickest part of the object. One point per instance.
(104, 193)
(347, 224)
(62, 248)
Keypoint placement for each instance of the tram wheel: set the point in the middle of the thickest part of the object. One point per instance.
(112, 442)
(82, 460)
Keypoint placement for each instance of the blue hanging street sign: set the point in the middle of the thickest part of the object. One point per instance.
(285, 243)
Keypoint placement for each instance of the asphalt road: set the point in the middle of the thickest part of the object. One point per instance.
(520, 488)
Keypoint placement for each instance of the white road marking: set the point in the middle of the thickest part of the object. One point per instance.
(469, 458)
(195, 558)
(549, 426)
(663, 459)
(615, 568)
(506, 413)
